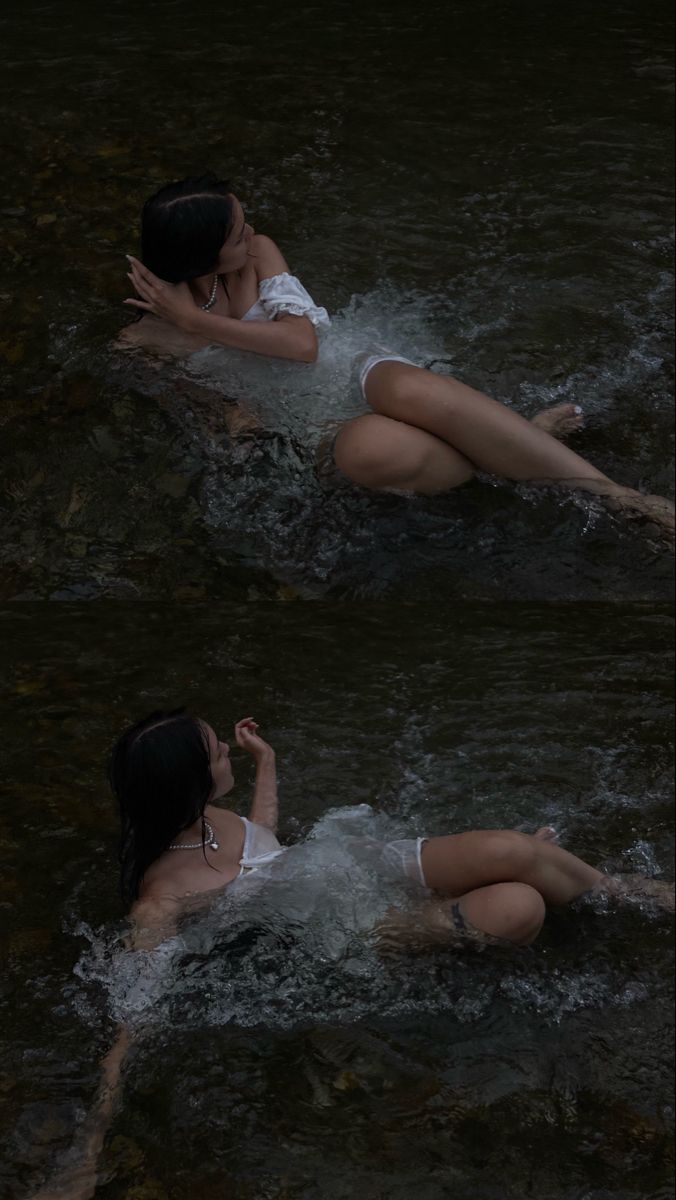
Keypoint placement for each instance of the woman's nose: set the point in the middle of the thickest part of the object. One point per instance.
(225, 747)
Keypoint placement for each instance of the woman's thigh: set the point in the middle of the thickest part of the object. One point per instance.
(383, 454)
(461, 862)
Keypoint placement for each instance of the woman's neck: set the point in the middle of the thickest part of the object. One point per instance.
(201, 287)
(192, 833)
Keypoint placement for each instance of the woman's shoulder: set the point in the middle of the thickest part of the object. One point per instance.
(225, 818)
(268, 258)
(155, 909)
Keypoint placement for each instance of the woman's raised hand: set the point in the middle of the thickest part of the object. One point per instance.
(248, 738)
(171, 301)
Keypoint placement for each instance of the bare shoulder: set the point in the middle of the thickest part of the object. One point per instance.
(155, 908)
(269, 259)
(153, 919)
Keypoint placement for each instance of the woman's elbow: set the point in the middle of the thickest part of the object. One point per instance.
(307, 349)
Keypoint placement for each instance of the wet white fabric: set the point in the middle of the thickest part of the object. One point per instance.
(284, 294)
(306, 400)
(366, 363)
(403, 857)
(260, 847)
(329, 892)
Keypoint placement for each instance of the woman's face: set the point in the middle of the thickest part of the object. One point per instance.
(235, 248)
(219, 762)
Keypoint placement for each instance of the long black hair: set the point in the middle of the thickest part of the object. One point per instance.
(160, 773)
(184, 226)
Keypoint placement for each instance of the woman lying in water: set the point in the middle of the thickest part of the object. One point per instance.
(169, 773)
(169, 770)
(211, 279)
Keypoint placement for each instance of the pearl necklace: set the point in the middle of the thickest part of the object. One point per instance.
(210, 840)
(212, 299)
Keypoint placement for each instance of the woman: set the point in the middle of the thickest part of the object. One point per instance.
(206, 274)
(175, 844)
(169, 773)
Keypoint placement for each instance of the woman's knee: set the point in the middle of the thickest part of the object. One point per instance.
(524, 913)
(513, 911)
(377, 452)
(362, 451)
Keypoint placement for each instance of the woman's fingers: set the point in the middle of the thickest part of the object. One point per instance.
(244, 730)
(144, 273)
(245, 738)
(143, 287)
(147, 285)
(141, 291)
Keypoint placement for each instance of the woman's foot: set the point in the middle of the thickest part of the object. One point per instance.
(546, 834)
(655, 508)
(635, 505)
(638, 888)
(560, 421)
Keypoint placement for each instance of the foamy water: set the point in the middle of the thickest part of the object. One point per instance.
(302, 398)
(294, 943)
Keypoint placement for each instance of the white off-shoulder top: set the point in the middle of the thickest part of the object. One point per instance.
(260, 847)
(282, 294)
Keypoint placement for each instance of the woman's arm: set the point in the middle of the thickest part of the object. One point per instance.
(288, 336)
(154, 920)
(285, 337)
(264, 807)
(78, 1180)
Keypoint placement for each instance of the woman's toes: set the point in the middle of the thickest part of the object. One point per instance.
(547, 834)
(560, 420)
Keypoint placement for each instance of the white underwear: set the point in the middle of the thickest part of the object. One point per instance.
(366, 362)
(403, 857)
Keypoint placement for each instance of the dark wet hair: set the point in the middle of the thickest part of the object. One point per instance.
(184, 225)
(160, 773)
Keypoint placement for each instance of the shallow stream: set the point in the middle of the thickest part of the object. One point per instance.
(280, 1055)
(483, 186)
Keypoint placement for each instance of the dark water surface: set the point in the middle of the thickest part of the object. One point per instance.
(284, 1060)
(485, 186)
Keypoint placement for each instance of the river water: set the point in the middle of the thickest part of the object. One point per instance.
(484, 186)
(279, 1055)
(487, 188)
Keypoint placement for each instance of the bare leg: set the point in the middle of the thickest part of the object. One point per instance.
(461, 862)
(377, 452)
(386, 455)
(485, 434)
(499, 882)
(492, 436)
(512, 912)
